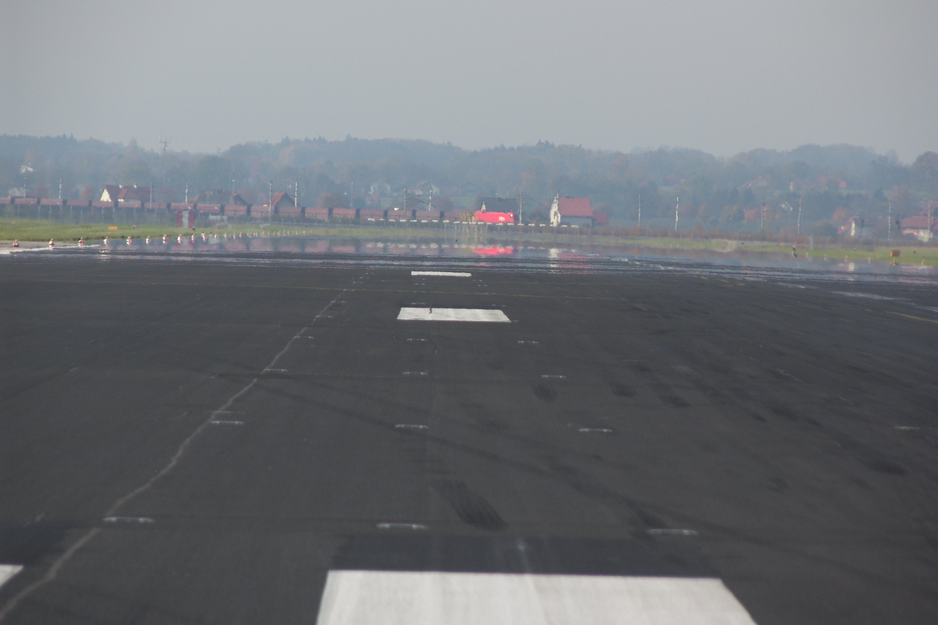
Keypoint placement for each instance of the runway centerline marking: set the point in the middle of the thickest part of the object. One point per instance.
(353, 597)
(63, 559)
(446, 274)
(478, 315)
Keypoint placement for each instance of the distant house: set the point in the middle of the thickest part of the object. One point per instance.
(281, 199)
(119, 194)
(571, 211)
(918, 227)
(425, 187)
(499, 205)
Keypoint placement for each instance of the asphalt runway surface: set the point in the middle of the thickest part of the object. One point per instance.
(219, 440)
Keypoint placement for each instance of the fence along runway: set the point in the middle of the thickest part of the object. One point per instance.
(775, 441)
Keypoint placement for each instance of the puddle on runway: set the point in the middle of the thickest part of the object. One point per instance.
(523, 256)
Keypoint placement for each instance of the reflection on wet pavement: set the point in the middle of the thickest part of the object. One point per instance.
(262, 249)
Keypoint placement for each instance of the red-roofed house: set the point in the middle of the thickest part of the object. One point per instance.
(119, 194)
(280, 199)
(571, 211)
(110, 192)
(918, 227)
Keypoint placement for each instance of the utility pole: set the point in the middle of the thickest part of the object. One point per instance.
(232, 186)
(763, 215)
(677, 208)
(430, 203)
(296, 193)
(928, 224)
(151, 194)
(60, 188)
(165, 142)
(351, 191)
(889, 224)
(270, 201)
(521, 210)
(639, 210)
(800, 203)
(405, 201)
(187, 193)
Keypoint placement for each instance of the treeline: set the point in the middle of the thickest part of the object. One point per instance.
(830, 185)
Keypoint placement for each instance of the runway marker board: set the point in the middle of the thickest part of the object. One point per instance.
(481, 315)
(443, 274)
(425, 598)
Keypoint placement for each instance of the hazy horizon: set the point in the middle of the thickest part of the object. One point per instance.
(724, 77)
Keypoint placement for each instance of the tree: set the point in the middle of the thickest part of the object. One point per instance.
(331, 200)
(925, 172)
(732, 214)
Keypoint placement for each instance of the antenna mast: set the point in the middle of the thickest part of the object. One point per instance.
(165, 143)
(677, 208)
(889, 220)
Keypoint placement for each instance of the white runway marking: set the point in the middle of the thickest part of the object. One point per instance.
(448, 274)
(411, 426)
(7, 571)
(227, 422)
(453, 314)
(402, 526)
(415, 373)
(554, 377)
(425, 598)
(528, 343)
(595, 431)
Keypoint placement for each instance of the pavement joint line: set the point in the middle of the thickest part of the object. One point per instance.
(63, 559)
(335, 288)
(671, 532)
(141, 520)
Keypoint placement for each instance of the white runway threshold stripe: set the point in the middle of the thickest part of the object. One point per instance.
(445, 274)
(432, 598)
(7, 571)
(453, 314)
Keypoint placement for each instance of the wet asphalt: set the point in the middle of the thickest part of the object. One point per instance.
(191, 441)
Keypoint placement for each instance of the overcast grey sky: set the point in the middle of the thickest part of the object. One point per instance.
(718, 75)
